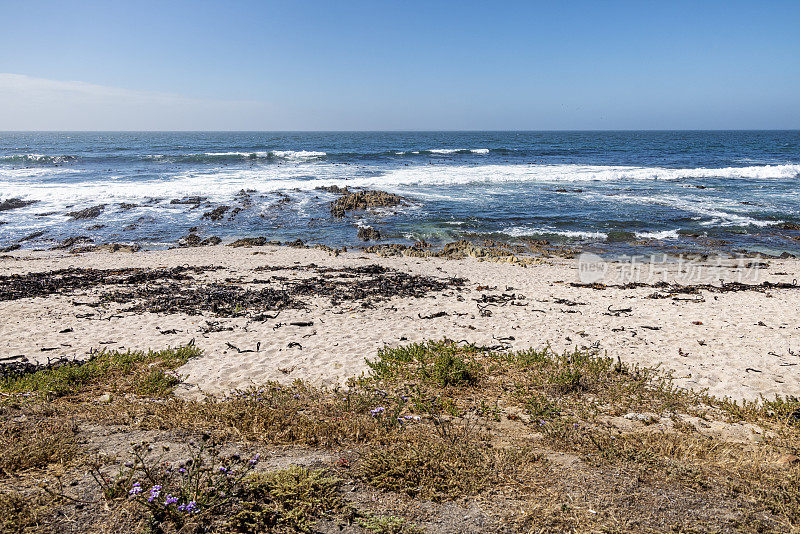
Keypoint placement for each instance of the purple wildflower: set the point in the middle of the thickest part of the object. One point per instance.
(155, 491)
(136, 489)
(377, 411)
(170, 500)
(255, 459)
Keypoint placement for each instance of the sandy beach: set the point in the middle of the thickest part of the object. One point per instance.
(735, 343)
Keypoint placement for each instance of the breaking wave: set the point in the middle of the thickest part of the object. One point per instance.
(37, 159)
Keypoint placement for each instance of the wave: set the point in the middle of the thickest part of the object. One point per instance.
(525, 231)
(460, 175)
(447, 151)
(664, 234)
(37, 159)
(219, 157)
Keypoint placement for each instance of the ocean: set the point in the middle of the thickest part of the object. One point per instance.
(613, 192)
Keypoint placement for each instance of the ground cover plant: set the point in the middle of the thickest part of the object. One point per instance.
(441, 436)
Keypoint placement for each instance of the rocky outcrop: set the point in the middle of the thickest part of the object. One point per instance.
(88, 213)
(15, 203)
(363, 200)
(368, 233)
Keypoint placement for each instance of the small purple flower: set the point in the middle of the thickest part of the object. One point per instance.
(170, 500)
(136, 489)
(377, 411)
(182, 471)
(255, 459)
(155, 491)
(191, 506)
(223, 470)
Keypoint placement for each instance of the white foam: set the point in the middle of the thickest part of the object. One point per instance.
(719, 212)
(458, 174)
(457, 150)
(523, 231)
(223, 183)
(665, 234)
(291, 155)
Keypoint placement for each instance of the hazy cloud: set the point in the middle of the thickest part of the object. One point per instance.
(28, 103)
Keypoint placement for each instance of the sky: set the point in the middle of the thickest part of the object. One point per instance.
(399, 65)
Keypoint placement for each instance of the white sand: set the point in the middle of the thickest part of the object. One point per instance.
(738, 356)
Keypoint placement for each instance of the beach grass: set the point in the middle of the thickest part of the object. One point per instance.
(544, 441)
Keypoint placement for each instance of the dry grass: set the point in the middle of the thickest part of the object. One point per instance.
(535, 432)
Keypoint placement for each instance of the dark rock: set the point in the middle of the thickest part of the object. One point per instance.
(194, 240)
(10, 248)
(616, 236)
(34, 235)
(332, 189)
(190, 240)
(217, 213)
(368, 233)
(789, 226)
(14, 203)
(72, 241)
(125, 206)
(188, 200)
(249, 242)
(95, 227)
(88, 213)
(362, 200)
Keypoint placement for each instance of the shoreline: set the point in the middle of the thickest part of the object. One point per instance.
(734, 343)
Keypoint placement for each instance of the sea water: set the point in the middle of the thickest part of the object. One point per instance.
(670, 190)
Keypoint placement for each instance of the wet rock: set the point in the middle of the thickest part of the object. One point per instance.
(332, 189)
(189, 200)
(368, 233)
(10, 248)
(125, 206)
(194, 240)
(88, 213)
(3, 222)
(297, 243)
(789, 226)
(72, 241)
(32, 236)
(217, 213)
(249, 242)
(620, 236)
(365, 199)
(15, 203)
(95, 227)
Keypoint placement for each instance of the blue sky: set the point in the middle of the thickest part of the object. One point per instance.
(373, 65)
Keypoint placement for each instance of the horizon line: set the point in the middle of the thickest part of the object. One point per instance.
(422, 131)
